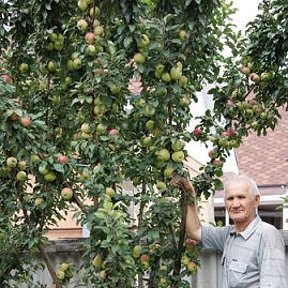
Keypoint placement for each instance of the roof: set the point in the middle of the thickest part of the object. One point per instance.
(265, 158)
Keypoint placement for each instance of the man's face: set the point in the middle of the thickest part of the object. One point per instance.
(240, 204)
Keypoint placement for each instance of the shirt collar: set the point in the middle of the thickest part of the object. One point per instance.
(249, 229)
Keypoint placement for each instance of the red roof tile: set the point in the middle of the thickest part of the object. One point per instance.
(265, 158)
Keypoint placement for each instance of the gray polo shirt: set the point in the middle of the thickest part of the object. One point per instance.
(254, 258)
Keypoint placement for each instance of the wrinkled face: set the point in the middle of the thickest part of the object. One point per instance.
(240, 204)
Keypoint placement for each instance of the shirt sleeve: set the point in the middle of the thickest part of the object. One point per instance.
(213, 238)
(272, 261)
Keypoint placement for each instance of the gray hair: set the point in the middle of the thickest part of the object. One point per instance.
(253, 188)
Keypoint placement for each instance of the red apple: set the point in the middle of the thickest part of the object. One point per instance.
(197, 132)
(62, 159)
(113, 132)
(26, 121)
(90, 37)
(7, 79)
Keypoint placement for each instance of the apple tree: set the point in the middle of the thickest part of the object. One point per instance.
(95, 94)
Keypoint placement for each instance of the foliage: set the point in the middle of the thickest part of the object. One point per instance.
(97, 95)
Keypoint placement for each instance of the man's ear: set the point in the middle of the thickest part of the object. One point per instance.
(257, 200)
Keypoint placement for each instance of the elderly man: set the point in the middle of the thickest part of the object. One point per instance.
(253, 252)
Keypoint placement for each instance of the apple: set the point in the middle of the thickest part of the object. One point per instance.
(62, 159)
(51, 66)
(25, 121)
(50, 176)
(191, 266)
(177, 145)
(83, 5)
(7, 79)
(85, 128)
(229, 103)
(99, 110)
(97, 261)
(183, 81)
(163, 155)
(60, 275)
(115, 89)
(95, 23)
(139, 58)
(197, 132)
(21, 176)
(67, 193)
(168, 172)
(11, 162)
(149, 111)
(212, 154)
(223, 142)
(90, 37)
(185, 260)
(91, 50)
(185, 101)
(35, 159)
(14, 116)
(255, 77)
(144, 261)
(63, 266)
(150, 125)
(234, 143)
(102, 275)
(183, 36)
(166, 77)
(101, 128)
(147, 141)
(22, 165)
(38, 201)
(160, 185)
(136, 252)
(235, 93)
(94, 11)
(175, 73)
(110, 192)
(98, 30)
(82, 25)
(144, 42)
(190, 244)
(178, 156)
(113, 132)
(264, 76)
(245, 70)
(217, 163)
(77, 63)
(23, 68)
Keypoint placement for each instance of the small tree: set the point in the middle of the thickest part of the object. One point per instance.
(74, 126)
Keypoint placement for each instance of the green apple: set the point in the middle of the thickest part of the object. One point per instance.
(166, 77)
(177, 145)
(60, 275)
(136, 252)
(110, 192)
(50, 176)
(11, 162)
(163, 155)
(183, 36)
(83, 5)
(178, 156)
(22, 165)
(94, 11)
(101, 128)
(150, 125)
(144, 42)
(38, 201)
(139, 58)
(85, 128)
(23, 68)
(160, 185)
(147, 141)
(175, 73)
(98, 31)
(149, 111)
(91, 50)
(63, 266)
(21, 176)
(264, 76)
(51, 66)
(82, 25)
(97, 261)
(168, 172)
(67, 193)
(183, 81)
(35, 159)
(77, 63)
